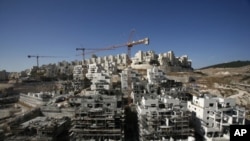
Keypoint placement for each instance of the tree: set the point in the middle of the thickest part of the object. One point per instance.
(154, 62)
(94, 56)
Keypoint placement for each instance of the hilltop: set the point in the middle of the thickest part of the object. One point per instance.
(233, 64)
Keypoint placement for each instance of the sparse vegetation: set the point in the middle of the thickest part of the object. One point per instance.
(200, 73)
(227, 92)
(154, 62)
(233, 64)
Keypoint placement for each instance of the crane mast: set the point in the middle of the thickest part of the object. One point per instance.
(83, 53)
(37, 58)
(84, 67)
(129, 45)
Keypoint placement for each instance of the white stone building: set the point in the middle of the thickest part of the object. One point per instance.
(100, 79)
(110, 67)
(213, 116)
(144, 57)
(165, 59)
(185, 62)
(99, 60)
(155, 75)
(122, 59)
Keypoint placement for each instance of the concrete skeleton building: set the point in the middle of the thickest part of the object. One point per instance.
(36, 99)
(8, 106)
(155, 82)
(78, 72)
(163, 119)
(98, 114)
(164, 112)
(135, 79)
(41, 128)
(98, 117)
(160, 116)
(212, 116)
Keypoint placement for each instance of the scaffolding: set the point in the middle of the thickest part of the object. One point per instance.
(157, 123)
(98, 118)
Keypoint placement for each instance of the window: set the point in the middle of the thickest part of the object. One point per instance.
(90, 105)
(211, 104)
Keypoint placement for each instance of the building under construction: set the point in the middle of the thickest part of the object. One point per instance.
(41, 128)
(99, 117)
(36, 99)
(163, 119)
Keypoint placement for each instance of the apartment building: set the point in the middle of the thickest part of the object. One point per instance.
(99, 77)
(78, 72)
(3, 75)
(122, 59)
(135, 79)
(98, 114)
(98, 117)
(170, 59)
(155, 75)
(212, 116)
(144, 57)
(41, 128)
(163, 119)
(110, 67)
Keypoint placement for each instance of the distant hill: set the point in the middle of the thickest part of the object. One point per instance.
(233, 64)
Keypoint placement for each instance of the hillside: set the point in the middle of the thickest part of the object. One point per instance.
(233, 82)
(233, 64)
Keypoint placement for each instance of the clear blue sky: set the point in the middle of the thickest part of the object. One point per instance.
(208, 31)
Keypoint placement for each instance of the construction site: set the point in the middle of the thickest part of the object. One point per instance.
(108, 98)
